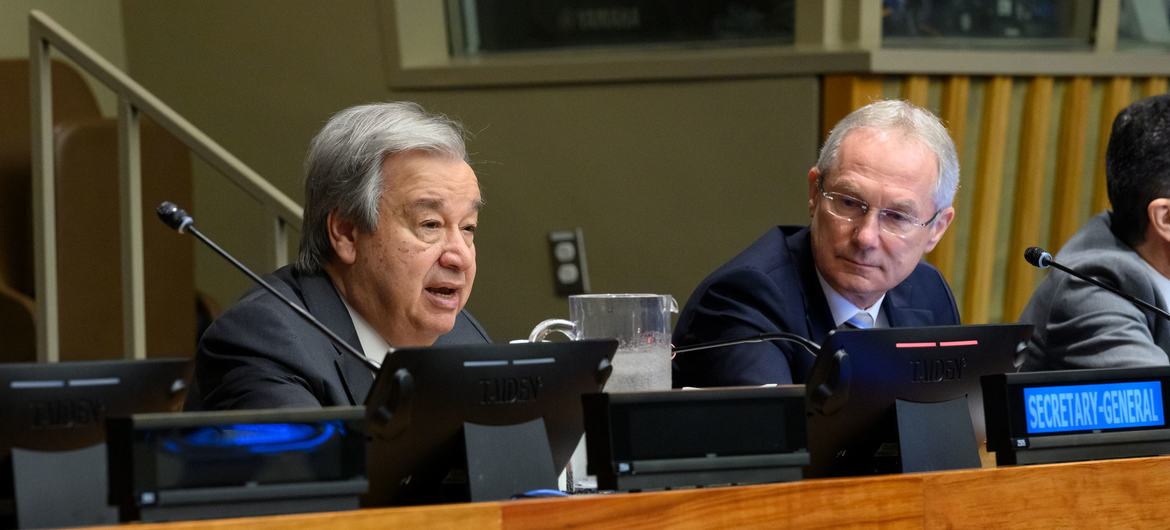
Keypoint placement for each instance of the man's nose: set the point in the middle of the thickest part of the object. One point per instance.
(867, 229)
(457, 252)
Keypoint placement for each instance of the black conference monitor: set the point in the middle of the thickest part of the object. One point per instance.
(53, 420)
(237, 463)
(700, 437)
(891, 400)
(482, 422)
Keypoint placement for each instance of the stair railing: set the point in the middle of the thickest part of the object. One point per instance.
(133, 101)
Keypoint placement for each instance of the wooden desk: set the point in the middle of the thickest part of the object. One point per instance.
(1110, 493)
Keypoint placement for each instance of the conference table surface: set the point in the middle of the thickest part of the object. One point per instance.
(1123, 493)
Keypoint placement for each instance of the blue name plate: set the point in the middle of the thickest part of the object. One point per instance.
(1053, 409)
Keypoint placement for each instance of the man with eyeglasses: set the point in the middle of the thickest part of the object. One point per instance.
(879, 199)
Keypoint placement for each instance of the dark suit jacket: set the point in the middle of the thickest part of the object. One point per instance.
(1080, 325)
(772, 286)
(260, 354)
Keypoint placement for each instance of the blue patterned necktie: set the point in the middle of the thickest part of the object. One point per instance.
(861, 320)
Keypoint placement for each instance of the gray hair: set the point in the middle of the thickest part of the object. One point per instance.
(343, 171)
(914, 121)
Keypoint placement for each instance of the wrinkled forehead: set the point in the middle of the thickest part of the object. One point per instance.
(430, 181)
(430, 203)
(891, 158)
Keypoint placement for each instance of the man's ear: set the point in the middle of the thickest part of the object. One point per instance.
(1158, 212)
(939, 227)
(343, 238)
(813, 175)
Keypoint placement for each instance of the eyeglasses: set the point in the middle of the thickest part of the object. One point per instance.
(851, 208)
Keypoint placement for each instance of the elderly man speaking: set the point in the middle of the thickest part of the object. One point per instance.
(387, 258)
(879, 198)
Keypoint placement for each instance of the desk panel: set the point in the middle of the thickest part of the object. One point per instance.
(1129, 493)
(894, 500)
(482, 515)
(1109, 493)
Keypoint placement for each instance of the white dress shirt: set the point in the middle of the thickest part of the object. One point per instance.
(843, 309)
(373, 345)
(1160, 281)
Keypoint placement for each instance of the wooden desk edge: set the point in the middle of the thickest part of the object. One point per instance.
(1113, 492)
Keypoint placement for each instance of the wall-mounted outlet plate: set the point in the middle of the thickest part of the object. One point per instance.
(567, 250)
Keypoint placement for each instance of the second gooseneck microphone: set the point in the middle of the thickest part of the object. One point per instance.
(783, 336)
(1040, 258)
(176, 218)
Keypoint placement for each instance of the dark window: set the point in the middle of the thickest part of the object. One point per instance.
(987, 23)
(488, 26)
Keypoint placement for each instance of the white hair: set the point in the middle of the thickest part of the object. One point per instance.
(343, 171)
(915, 121)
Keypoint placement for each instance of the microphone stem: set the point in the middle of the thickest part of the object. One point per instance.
(1137, 301)
(301, 311)
(808, 345)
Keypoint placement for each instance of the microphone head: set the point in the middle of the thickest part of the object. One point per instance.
(173, 216)
(1037, 257)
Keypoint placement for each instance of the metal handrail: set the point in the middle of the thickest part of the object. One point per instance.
(44, 34)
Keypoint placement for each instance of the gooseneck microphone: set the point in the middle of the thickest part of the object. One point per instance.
(176, 218)
(1040, 258)
(782, 336)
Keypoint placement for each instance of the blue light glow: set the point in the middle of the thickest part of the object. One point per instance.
(259, 438)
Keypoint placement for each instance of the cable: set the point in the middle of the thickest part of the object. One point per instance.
(783, 336)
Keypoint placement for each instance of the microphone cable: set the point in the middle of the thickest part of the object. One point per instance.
(1041, 259)
(778, 336)
(178, 219)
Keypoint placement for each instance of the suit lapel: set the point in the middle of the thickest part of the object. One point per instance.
(900, 313)
(816, 308)
(322, 300)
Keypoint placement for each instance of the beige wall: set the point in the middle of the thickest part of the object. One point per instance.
(667, 179)
(97, 22)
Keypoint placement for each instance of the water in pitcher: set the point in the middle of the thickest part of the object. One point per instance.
(646, 367)
(641, 323)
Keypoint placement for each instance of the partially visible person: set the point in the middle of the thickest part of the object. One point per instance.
(1080, 325)
(879, 198)
(387, 259)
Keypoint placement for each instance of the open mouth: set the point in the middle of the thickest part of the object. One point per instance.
(442, 291)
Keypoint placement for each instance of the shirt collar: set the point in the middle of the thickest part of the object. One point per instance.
(1160, 281)
(373, 345)
(843, 309)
